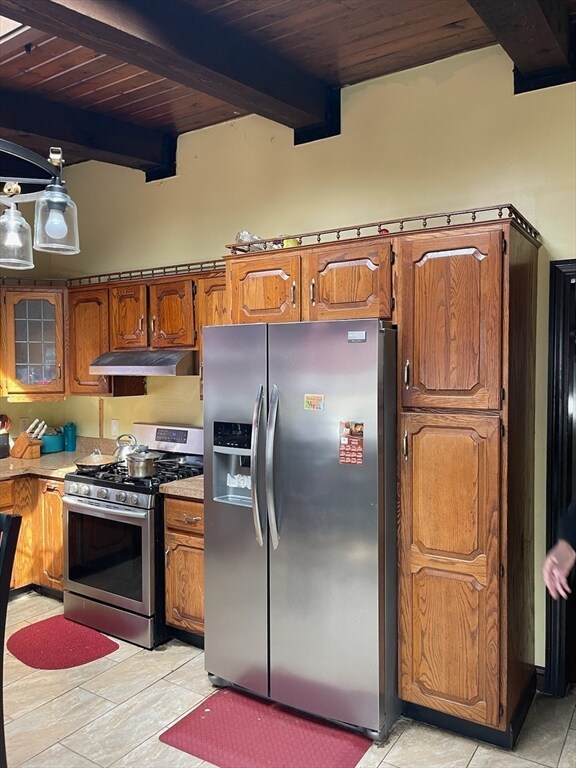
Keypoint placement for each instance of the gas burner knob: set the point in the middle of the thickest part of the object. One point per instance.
(134, 499)
(73, 488)
(85, 490)
(121, 496)
(102, 493)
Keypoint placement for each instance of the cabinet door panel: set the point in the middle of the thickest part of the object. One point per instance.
(128, 311)
(450, 319)
(185, 581)
(265, 289)
(23, 570)
(171, 314)
(50, 541)
(211, 302)
(347, 280)
(449, 641)
(34, 342)
(88, 339)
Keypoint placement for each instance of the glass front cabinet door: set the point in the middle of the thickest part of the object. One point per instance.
(34, 352)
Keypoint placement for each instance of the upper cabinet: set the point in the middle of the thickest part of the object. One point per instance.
(171, 314)
(88, 311)
(128, 316)
(347, 279)
(33, 342)
(212, 305)
(159, 314)
(88, 338)
(450, 294)
(264, 288)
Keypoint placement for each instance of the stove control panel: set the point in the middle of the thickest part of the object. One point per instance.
(173, 438)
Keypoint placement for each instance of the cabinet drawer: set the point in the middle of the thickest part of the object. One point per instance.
(6, 494)
(184, 515)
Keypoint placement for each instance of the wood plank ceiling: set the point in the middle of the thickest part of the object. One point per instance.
(120, 80)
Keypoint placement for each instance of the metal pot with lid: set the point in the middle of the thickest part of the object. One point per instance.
(142, 462)
(125, 444)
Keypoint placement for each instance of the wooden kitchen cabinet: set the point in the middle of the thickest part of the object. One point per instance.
(212, 305)
(184, 550)
(48, 516)
(159, 314)
(334, 281)
(88, 338)
(450, 581)
(451, 330)
(128, 316)
(466, 354)
(16, 498)
(32, 352)
(88, 312)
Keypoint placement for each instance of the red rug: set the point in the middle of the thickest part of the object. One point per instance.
(58, 643)
(232, 730)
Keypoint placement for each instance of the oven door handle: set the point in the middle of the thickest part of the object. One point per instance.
(75, 504)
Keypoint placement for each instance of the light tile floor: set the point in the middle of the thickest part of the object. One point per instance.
(110, 713)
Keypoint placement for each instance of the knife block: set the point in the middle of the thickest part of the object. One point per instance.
(25, 447)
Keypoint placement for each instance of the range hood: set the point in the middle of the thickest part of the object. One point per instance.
(147, 362)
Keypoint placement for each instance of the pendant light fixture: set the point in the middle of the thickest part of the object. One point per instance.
(15, 240)
(55, 219)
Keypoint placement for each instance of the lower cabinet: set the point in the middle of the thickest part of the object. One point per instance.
(48, 517)
(16, 498)
(184, 550)
(451, 605)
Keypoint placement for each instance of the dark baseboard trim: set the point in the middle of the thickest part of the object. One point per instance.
(505, 739)
(186, 637)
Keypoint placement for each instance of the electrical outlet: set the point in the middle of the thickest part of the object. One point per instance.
(114, 428)
(24, 423)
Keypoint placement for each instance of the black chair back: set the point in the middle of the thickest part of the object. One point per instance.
(9, 530)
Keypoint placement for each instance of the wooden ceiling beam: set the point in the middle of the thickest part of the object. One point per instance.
(538, 37)
(96, 136)
(176, 42)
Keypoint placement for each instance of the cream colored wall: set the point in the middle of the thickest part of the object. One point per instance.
(443, 137)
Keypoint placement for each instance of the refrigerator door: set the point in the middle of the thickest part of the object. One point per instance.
(236, 594)
(329, 472)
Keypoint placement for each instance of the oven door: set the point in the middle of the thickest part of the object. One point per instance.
(108, 553)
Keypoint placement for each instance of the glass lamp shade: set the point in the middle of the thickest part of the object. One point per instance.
(15, 241)
(56, 221)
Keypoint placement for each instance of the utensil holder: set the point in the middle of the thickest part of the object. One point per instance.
(25, 447)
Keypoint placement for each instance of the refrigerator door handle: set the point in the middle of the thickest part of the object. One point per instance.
(256, 418)
(270, 435)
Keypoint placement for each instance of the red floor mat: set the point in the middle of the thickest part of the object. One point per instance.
(58, 643)
(232, 730)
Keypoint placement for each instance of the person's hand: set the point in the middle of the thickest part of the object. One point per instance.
(558, 564)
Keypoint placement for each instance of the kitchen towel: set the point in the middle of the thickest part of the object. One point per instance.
(58, 643)
(233, 730)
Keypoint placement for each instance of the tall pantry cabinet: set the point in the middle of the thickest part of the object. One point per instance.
(466, 335)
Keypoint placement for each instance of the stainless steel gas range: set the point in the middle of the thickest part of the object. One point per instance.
(114, 539)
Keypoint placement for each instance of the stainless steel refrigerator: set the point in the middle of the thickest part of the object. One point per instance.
(300, 516)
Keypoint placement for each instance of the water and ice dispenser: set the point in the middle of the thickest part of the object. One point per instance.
(232, 452)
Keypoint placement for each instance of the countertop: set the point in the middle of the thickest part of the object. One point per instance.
(57, 465)
(188, 488)
(48, 465)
